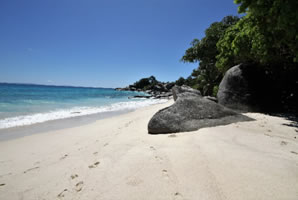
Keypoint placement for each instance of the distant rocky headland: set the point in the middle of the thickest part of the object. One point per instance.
(154, 88)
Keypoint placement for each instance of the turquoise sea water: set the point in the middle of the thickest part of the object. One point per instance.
(24, 104)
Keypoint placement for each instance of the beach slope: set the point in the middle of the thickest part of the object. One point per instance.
(115, 158)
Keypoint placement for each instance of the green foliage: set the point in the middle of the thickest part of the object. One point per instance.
(215, 90)
(180, 81)
(145, 83)
(237, 46)
(204, 51)
(268, 35)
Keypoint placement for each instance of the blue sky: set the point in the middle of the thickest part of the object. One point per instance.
(104, 43)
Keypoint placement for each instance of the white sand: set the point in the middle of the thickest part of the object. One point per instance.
(115, 159)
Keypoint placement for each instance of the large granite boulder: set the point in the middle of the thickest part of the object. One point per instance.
(191, 113)
(247, 88)
(184, 91)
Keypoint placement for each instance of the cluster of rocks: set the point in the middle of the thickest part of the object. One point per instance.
(129, 88)
(191, 111)
(158, 90)
(244, 88)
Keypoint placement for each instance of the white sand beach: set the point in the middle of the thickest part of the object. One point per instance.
(116, 159)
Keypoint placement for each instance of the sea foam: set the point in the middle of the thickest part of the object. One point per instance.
(74, 112)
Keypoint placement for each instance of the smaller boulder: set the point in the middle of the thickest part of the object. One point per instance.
(184, 91)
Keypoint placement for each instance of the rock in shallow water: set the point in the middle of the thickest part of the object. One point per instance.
(190, 113)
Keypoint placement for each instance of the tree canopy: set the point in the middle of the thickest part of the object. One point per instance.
(267, 34)
(145, 83)
(207, 77)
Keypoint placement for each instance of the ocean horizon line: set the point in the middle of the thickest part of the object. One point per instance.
(50, 85)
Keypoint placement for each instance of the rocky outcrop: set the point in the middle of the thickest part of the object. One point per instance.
(247, 88)
(182, 91)
(140, 97)
(154, 88)
(191, 112)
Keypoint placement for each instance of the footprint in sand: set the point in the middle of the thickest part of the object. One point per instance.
(165, 173)
(95, 153)
(282, 143)
(172, 136)
(159, 159)
(63, 157)
(177, 196)
(62, 194)
(79, 186)
(268, 135)
(294, 152)
(152, 148)
(94, 165)
(106, 144)
(28, 170)
(73, 176)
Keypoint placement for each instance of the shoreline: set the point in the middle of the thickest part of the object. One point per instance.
(57, 124)
(116, 158)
